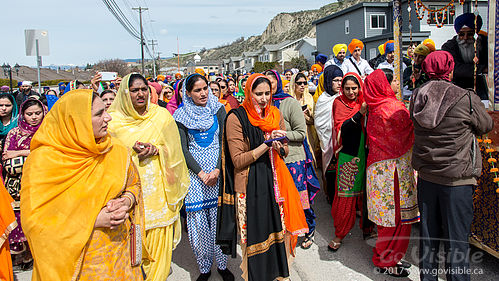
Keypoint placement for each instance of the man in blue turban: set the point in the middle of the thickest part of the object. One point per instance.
(321, 59)
(390, 56)
(462, 49)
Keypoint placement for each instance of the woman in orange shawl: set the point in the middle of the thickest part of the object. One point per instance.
(259, 192)
(7, 224)
(80, 192)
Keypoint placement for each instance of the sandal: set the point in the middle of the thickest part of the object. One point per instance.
(371, 235)
(308, 241)
(404, 264)
(336, 246)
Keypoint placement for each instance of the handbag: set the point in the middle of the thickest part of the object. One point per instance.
(135, 243)
(14, 166)
(13, 186)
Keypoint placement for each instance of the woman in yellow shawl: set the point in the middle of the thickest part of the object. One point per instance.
(150, 132)
(79, 188)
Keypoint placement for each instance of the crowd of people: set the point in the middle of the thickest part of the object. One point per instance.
(97, 178)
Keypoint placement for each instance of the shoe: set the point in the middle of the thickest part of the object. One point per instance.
(396, 271)
(371, 235)
(404, 264)
(204, 276)
(336, 246)
(26, 266)
(226, 274)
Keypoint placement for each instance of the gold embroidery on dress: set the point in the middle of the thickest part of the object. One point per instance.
(276, 237)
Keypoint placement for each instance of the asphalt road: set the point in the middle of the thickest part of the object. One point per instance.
(351, 262)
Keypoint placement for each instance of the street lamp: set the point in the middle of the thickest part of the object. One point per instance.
(8, 70)
(16, 68)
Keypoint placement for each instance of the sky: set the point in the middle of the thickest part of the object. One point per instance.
(85, 31)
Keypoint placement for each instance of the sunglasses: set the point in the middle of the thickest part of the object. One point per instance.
(301, 83)
(223, 87)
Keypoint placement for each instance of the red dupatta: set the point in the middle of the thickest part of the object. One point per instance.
(389, 128)
(344, 109)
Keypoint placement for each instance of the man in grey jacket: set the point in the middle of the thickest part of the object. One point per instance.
(447, 120)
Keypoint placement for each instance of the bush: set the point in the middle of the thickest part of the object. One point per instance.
(300, 63)
(262, 66)
(5, 82)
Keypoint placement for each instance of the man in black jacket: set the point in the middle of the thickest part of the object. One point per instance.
(26, 91)
(462, 49)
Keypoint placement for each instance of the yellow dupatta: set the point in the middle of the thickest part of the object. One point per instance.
(165, 177)
(320, 88)
(67, 179)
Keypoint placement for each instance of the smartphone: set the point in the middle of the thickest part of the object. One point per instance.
(108, 76)
(303, 107)
(281, 139)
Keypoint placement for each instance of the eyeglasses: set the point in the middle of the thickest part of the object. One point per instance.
(336, 80)
(301, 83)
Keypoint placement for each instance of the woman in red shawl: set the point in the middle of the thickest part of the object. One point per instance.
(349, 110)
(391, 183)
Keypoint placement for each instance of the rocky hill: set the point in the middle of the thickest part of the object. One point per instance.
(284, 26)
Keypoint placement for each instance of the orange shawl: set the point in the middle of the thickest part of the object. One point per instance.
(7, 224)
(286, 192)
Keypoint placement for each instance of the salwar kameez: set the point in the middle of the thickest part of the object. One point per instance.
(391, 182)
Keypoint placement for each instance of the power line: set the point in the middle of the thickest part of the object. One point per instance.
(122, 21)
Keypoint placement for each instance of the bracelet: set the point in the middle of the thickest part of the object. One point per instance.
(129, 197)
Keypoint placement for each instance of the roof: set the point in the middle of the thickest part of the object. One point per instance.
(236, 58)
(311, 41)
(276, 47)
(352, 8)
(251, 53)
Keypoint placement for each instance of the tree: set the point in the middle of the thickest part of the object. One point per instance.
(262, 66)
(301, 63)
(113, 65)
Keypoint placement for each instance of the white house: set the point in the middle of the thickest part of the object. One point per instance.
(446, 32)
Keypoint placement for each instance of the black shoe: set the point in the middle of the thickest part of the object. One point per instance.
(204, 276)
(396, 271)
(404, 264)
(26, 266)
(226, 274)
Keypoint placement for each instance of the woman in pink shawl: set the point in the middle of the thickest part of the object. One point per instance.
(391, 183)
(15, 151)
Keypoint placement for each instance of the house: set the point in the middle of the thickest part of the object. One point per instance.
(372, 23)
(208, 66)
(236, 64)
(249, 60)
(441, 35)
(270, 53)
(307, 47)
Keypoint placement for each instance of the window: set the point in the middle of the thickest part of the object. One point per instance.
(347, 27)
(372, 53)
(448, 20)
(378, 21)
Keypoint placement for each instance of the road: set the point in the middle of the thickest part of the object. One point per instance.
(351, 262)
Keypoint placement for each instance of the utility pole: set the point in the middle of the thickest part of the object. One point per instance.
(140, 9)
(153, 43)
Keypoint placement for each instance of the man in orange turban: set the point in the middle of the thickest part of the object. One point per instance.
(356, 63)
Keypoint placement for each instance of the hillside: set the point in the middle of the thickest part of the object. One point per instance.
(284, 26)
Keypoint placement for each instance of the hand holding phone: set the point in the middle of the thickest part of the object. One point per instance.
(108, 76)
(283, 139)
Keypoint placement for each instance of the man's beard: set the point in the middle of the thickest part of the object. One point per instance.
(467, 49)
